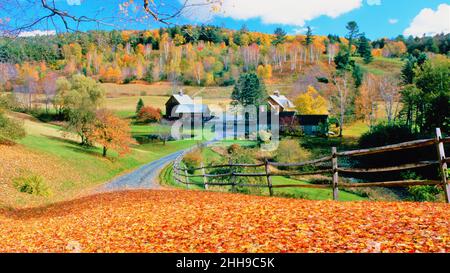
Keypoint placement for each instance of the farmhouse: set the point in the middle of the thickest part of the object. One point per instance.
(181, 105)
(310, 124)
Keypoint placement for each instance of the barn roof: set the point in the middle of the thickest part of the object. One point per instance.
(183, 99)
(281, 100)
(191, 108)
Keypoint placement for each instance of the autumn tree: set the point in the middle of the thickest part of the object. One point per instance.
(311, 103)
(79, 98)
(45, 12)
(366, 102)
(389, 90)
(264, 72)
(342, 82)
(110, 132)
(149, 114)
(49, 88)
(10, 130)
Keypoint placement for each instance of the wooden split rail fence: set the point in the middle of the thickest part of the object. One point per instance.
(179, 172)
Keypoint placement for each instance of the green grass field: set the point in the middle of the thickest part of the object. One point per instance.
(381, 65)
(92, 168)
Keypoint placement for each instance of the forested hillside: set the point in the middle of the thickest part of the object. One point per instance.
(190, 55)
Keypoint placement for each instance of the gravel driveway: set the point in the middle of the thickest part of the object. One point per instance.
(143, 178)
(146, 177)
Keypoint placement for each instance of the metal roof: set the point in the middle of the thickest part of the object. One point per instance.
(183, 99)
(191, 108)
(282, 100)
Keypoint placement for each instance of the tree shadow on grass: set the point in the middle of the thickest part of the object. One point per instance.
(77, 147)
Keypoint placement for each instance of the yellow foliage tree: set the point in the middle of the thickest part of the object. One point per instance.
(311, 103)
(264, 72)
(209, 79)
(268, 72)
(260, 71)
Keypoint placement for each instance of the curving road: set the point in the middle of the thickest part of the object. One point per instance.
(146, 177)
(143, 178)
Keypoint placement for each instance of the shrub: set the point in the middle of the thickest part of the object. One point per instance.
(290, 127)
(420, 193)
(423, 193)
(381, 135)
(290, 151)
(33, 184)
(229, 82)
(264, 136)
(234, 148)
(129, 79)
(149, 114)
(10, 130)
(193, 160)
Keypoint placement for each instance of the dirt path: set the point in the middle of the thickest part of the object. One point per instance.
(143, 178)
(146, 177)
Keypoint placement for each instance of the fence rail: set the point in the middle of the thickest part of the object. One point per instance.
(180, 172)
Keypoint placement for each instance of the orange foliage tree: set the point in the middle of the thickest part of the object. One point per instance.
(111, 132)
(149, 114)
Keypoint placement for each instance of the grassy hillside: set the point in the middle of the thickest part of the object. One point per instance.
(381, 65)
(67, 168)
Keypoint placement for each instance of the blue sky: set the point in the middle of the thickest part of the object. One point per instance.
(377, 18)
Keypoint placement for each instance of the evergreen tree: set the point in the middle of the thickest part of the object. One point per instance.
(139, 105)
(249, 90)
(280, 36)
(309, 36)
(353, 33)
(365, 50)
(358, 75)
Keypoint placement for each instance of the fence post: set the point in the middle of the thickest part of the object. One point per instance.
(186, 178)
(205, 179)
(334, 161)
(175, 172)
(442, 164)
(232, 176)
(269, 179)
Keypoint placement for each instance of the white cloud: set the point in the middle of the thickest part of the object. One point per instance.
(287, 12)
(74, 2)
(37, 33)
(393, 21)
(301, 30)
(430, 22)
(373, 2)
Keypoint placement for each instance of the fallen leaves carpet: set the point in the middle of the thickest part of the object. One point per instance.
(195, 221)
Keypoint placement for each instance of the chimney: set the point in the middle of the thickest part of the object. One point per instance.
(276, 93)
(180, 92)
